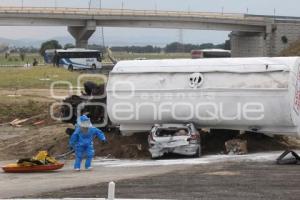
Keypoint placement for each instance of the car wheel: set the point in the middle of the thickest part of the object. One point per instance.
(70, 68)
(199, 152)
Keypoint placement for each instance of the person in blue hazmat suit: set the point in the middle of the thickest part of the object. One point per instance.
(82, 141)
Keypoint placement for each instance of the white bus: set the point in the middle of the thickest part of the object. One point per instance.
(210, 53)
(73, 59)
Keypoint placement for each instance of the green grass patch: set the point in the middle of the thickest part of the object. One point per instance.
(35, 77)
(16, 59)
(132, 56)
(42, 77)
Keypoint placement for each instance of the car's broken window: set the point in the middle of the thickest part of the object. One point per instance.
(172, 132)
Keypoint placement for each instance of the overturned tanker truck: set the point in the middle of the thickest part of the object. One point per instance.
(251, 94)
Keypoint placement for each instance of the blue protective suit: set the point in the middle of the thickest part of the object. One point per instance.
(83, 145)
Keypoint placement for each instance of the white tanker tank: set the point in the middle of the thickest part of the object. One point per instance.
(254, 94)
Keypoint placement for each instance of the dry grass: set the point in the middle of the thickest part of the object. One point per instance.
(15, 59)
(131, 56)
(15, 78)
(292, 50)
(36, 77)
(32, 89)
(21, 109)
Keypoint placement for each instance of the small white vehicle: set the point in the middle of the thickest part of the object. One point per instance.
(182, 139)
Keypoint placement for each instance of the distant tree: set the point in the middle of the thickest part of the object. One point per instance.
(51, 44)
(96, 47)
(178, 47)
(207, 46)
(169, 48)
(3, 48)
(174, 47)
(69, 46)
(137, 49)
(227, 45)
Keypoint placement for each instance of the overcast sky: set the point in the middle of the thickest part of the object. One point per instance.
(280, 7)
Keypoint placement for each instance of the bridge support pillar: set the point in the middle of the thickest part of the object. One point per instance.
(82, 34)
(247, 44)
(281, 37)
(276, 38)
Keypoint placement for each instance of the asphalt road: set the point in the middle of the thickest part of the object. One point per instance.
(229, 180)
(32, 184)
(252, 176)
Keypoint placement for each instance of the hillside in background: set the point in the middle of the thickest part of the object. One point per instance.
(292, 50)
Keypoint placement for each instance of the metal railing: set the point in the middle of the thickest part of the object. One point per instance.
(127, 12)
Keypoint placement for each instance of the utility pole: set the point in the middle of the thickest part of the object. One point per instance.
(102, 29)
(90, 4)
(22, 4)
(180, 44)
(103, 39)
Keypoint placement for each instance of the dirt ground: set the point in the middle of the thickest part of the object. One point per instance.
(229, 180)
(25, 141)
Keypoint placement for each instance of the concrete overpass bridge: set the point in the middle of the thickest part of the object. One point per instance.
(251, 35)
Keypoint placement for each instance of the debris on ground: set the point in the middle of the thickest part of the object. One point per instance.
(90, 96)
(17, 122)
(39, 122)
(213, 141)
(288, 157)
(236, 147)
(29, 121)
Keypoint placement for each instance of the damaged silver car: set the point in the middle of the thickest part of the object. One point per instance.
(182, 139)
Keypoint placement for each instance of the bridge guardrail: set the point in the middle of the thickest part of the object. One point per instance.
(93, 11)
